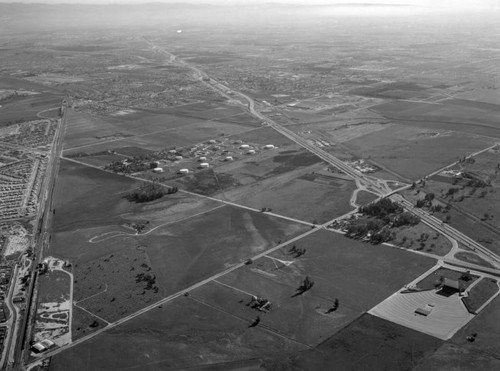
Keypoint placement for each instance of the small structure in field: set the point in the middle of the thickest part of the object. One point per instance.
(202, 159)
(269, 146)
(157, 170)
(244, 146)
(251, 152)
(204, 165)
(184, 171)
(178, 158)
(229, 158)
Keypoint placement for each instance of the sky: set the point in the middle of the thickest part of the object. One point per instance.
(426, 3)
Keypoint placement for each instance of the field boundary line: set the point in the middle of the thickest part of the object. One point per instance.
(119, 233)
(261, 326)
(168, 298)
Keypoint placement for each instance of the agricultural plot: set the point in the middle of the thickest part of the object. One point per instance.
(180, 334)
(114, 262)
(153, 131)
(414, 152)
(340, 268)
(460, 353)
(312, 197)
(370, 343)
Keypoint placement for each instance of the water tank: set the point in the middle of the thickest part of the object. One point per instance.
(157, 170)
(204, 165)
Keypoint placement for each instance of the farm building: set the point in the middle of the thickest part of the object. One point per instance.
(269, 146)
(178, 158)
(157, 170)
(202, 159)
(451, 284)
(204, 165)
(244, 146)
(229, 158)
(184, 171)
(251, 151)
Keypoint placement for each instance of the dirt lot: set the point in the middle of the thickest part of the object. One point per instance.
(181, 334)
(370, 343)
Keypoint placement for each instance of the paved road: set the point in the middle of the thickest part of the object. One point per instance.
(42, 225)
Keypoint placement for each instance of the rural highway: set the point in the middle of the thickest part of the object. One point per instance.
(41, 237)
(366, 182)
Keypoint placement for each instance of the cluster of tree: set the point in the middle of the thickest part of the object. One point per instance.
(381, 208)
(478, 183)
(149, 191)
(405, 218)
(132, 165)
(306, 285)
(361, 228)
(149, 279)
(261, 304)
(334, 307)
(297, 251)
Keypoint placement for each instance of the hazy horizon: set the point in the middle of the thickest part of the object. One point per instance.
(423, 3)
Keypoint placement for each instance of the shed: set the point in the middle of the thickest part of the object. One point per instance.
(184, 171)
(229, 158)
(204, 165)
(244, 146)
(269, 146)
(202, 159)
(251, 151)
(157, 170)
(38, 347)
(178, 158)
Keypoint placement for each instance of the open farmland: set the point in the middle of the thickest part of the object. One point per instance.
(482, 353)
(414, 152)
(370, 343)
(311, 197)
(191, 186)
(340, 267)
(178, 335)
(149, 130)
(116, 262)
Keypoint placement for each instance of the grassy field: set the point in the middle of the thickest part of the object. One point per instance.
(469, 257)
(460, 354)
(85, 133)
(370, 343)
(91, 230)
(421, 238)
(365, 197)
(480, 294)
(303, 197)
(116, 285)
(415, 152)
(358, 275)
(181, 334)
